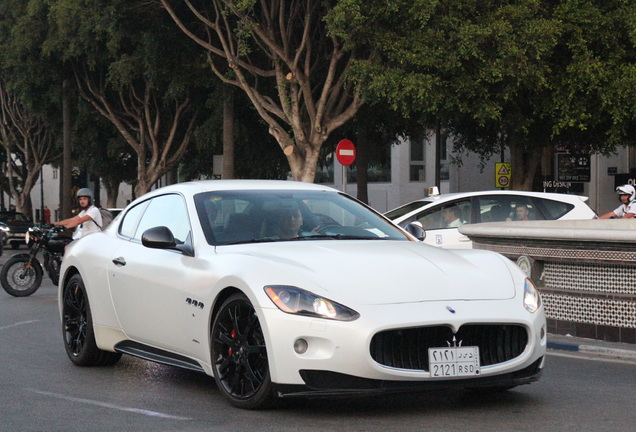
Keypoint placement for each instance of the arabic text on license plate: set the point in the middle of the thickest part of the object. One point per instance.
(453, 361)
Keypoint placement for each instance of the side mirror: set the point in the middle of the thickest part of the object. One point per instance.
(416, 230)
(158, 238)
(162, 238)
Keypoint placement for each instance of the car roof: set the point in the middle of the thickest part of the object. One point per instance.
(10, 212)
(459, 195)
(195, 187)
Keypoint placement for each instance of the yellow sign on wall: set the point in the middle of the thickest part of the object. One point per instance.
(503, 173)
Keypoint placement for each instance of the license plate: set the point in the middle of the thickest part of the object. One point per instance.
(453, 361)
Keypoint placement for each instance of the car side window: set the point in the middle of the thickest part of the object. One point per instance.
(450, 215)
(503, 208)
(131, 220)
(554, 209)
(495, 208)
(524, 209)
(169, 211)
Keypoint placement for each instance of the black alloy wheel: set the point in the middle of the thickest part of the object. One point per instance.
(77, 324)
(241, 368)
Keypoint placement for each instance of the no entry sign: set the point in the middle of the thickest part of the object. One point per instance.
(346, 152)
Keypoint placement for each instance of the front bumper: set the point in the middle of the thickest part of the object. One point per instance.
(343, 349)
(326, 383)
(14, 237)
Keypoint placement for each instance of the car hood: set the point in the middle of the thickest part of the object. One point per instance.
(382, 272)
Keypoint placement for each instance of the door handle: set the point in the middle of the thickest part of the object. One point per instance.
(119, 261)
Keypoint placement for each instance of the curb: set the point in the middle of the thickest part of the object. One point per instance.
(605, 351)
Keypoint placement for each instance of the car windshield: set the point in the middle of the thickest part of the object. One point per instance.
(253, 216)
(8, 217)
(406, 208)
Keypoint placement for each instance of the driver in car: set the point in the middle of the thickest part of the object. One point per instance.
(286, 223)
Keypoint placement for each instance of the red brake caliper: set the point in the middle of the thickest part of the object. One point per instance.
(233, 336)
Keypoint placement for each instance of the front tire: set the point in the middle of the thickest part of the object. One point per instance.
(241, 368)
(53, 269)
(20, 279)
(77, 325)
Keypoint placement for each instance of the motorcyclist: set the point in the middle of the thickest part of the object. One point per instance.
(627, 209)
(88, 220)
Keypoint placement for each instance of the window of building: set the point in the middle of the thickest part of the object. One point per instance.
(417, 161)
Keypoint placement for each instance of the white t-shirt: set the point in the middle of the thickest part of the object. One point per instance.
(623, 209)
(89, 226)
(456, 223)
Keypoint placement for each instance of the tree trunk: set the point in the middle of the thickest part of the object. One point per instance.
(65, 171)
(112, 192)
(24, 205)
(362, 165)
(228, 132)
(524, 166)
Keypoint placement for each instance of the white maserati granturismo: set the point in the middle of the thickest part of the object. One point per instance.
(284, 289)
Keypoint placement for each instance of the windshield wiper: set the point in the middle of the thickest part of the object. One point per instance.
(261, 240)
(308, 237)
(336, 237)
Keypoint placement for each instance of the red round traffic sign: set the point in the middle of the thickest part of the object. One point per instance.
(346, 152)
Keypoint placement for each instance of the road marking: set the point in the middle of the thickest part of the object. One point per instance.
(583, 356)
(111, 406)
(19, 323)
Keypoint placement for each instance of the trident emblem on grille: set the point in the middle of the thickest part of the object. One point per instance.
(455, 344)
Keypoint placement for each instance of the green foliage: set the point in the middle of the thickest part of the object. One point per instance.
(525, 73)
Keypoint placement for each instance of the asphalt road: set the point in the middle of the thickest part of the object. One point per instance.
(40, 390)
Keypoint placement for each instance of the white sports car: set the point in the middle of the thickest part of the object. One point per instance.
(281, 289)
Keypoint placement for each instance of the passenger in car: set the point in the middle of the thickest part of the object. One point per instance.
(521, 213)
(451, 216)
(498, 213)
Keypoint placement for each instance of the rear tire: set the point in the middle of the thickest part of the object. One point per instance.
(17, 279)
(77, 325)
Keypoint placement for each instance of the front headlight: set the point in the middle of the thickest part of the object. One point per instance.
(297, 301)
(5, 228)
(531, 297)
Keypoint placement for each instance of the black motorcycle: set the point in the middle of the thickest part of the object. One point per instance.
(21, 275)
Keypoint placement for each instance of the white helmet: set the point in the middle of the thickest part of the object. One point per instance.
(627, 190)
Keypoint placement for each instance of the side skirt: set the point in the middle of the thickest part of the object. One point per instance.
(157, 355)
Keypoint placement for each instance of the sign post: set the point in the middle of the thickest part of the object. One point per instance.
(503, 172)
(346, 155)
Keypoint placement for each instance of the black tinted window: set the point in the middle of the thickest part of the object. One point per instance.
(553, 209)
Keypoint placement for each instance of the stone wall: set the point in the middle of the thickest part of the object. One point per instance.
(585, 270)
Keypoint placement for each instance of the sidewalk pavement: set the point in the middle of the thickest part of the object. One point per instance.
(600, 348)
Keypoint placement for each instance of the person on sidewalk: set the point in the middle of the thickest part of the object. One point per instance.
(627, 209)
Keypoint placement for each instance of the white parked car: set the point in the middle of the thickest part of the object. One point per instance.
(205, 276)
(435, 212)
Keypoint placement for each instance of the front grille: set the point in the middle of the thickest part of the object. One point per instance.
(408, 348)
